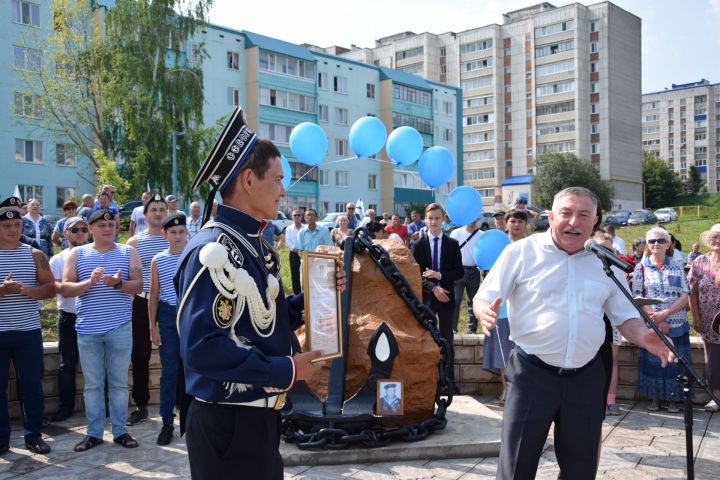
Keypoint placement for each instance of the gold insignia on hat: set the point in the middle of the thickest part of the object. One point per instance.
(223, 309)
(107, 216)
(177, 221)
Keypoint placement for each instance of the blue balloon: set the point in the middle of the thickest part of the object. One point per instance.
(404, 145)
(367, 136)
(489, 247)
(436, 166)
(287, 173)
(464, 205)
(308, 143)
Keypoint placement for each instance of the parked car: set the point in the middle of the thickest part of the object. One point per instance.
(128, 206)
(282, 221)
(330, 219)
(619, 218)
(487, 221)
(642, 217)
(665, 215)
(543, 222)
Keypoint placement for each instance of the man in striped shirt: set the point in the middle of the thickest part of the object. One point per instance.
(26, 278)
(162, 311)
(103, 275)
(148, 244)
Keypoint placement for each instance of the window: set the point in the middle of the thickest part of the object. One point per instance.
(595, 148)
(594, 87)
(324, 208)
(479, 101)
(487, 192)
(478, 156)
(477, 65)
(479, 174)
(553, 88)
(32, 191)
(594, 128)
(300, 170)
(275, 62)
(276, 133)
(650, 130)
(26, 13)
(370, 90)
(447, 108)
(669, 103)
(413, 52)
(26, 58)
(651, 118)
(593, 26)
(339, 207)
(552, 68)
(65, 155)
(594, 108)
(28, 105)
(554, 28)
(700, 136)
(233, 96)
(480, 82)
(554, 48)
(551, 128)
(683, 102)
(476, 46)
(288, 100)
(447, 135)
(593, 67)
(552, 108)
(372, 181)
(650, 105)
(194, 53)
(443, 52)
(323, 113)
(340, 84)
(594, 47)
(422, 125)
(233, 60)
(324, 178)
(556, 147)
(63, 66)
(322, 80)
(341, 180)
(341, 147)
(479, 119)
(482, 137)
(410, 94)
(341, 116)
(63, 194)
(28, 151)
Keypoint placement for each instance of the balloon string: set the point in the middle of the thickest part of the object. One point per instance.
(330, 162)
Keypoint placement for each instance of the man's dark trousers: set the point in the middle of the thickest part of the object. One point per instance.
(295, 272)
(67, 345)
(141, 350)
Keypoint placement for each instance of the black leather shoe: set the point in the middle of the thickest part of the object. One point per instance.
(37, 445)
(137, 416)
(166, 434)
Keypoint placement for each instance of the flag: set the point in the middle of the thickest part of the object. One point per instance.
(16, 192)
(360, 208)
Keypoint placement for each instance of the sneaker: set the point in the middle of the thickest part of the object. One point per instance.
(712, 407)
(613, 410)
(166, 434)
(138, 416)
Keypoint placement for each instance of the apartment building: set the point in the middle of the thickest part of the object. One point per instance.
(548, 79)
(682, 126)
(279, 85)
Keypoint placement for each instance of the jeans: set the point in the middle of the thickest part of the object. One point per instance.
(101, 355)
(169, 358)
(67, 345)
(470, 283)
(25, 349)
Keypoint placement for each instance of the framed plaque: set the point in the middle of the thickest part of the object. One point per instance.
(389, 397)
(323, 325)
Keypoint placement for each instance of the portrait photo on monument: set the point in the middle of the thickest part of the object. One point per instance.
(389, 397)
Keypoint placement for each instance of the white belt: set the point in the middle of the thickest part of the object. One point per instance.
(142, 295)
(276, 402)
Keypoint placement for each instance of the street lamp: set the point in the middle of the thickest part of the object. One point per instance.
(175, 134)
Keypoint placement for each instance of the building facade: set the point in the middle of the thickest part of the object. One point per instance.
(279, 85)
(549, 79)
(682, 126)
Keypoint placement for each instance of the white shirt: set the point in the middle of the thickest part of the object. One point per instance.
(138, 216)
(619, 244)
(555, 301)
(431, 239)
(291, 236)
(57, 264)
(461, 234)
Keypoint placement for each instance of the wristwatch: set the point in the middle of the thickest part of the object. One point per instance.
(118, 285)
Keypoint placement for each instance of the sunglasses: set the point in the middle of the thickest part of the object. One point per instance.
(79, 229)
(351, 208)
(660, 241)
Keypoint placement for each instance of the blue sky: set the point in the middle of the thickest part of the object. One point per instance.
(680, 38)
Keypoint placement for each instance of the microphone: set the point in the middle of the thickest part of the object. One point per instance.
(604, 254)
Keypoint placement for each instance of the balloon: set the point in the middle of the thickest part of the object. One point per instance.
(404, 145)
(308, 143)
(367, 136)
(464, 205)
(436, 166)
(287, 173)
(489, 247)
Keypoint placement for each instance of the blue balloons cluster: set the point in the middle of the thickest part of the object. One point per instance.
(436, 166)
(464, 205)
(287, 173)
(308, 143)
(367, 136)
(489, 247)
(404, 145)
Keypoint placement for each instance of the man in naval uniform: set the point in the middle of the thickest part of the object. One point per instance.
(234, 320)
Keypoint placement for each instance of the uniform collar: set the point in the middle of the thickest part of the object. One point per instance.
(240, 220)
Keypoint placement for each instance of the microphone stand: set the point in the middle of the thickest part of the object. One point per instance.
(686, 379)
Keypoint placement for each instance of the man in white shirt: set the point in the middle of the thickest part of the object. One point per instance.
(368, 218)
(618, 243)
(291, 242)
(556, 295)
(137, 217)
(194, 222)
(466, 237)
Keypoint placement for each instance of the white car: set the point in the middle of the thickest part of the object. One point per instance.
(666, 215)
(282, 221)
(330, 220)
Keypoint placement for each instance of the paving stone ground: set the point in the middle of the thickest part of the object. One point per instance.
(636, 445)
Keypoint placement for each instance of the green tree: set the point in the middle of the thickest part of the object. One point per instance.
(662, 184)
(556, 171)
(694, 183)
(122, 81)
